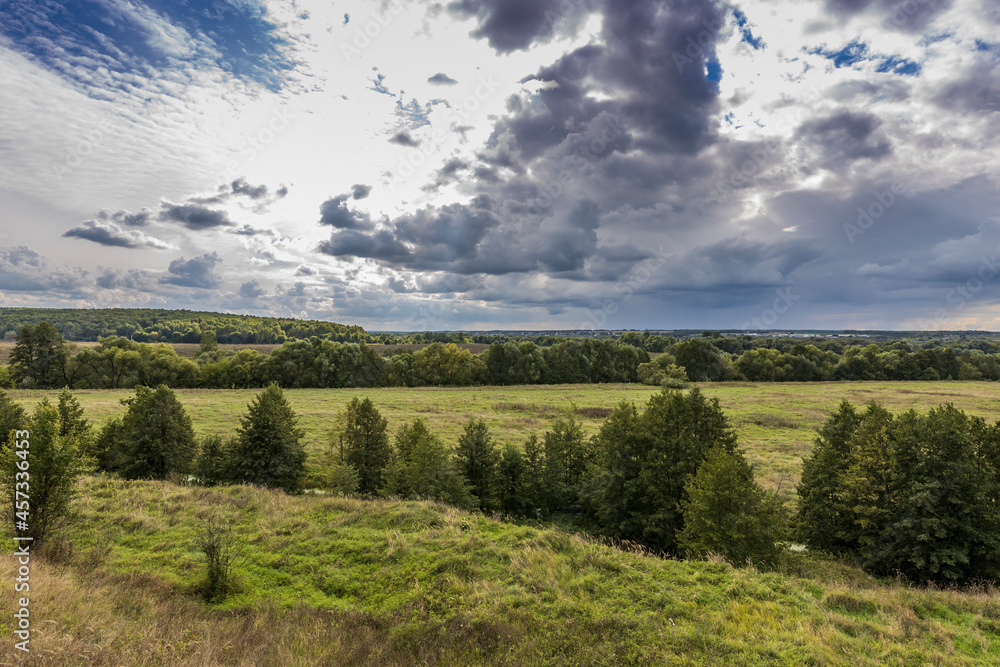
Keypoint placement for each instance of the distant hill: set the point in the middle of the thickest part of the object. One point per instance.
(173, 326)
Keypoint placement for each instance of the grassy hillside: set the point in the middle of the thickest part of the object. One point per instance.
(329, 581)
(776, 422)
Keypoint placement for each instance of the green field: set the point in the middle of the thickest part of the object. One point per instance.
(340, 581)
(776, 423)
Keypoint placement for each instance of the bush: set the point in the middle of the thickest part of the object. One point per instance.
(221, 551)
(52, 462)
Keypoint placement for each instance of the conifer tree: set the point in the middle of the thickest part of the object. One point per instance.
(268, 450)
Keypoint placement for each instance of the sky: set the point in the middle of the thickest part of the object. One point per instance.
(506, 164)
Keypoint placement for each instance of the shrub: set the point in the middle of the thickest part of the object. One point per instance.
(221, 550)
(51, 462)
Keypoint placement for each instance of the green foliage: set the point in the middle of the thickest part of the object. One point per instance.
(155, 437)
(221, 550)
(6, 378)
(727, 513)
(268, 450)
(662, 369)
(512, 482)
(566, 459)
(12, 417)
(636, 486)
(361, 441)
(427, 469)
(702, 360)
(477, 459)
(39, 357)
(914, 495)
(50, 463)
(213, 465)
(106, 450)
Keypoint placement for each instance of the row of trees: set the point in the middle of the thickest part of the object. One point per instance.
(42, 359)
(670, 477)
(910, 494)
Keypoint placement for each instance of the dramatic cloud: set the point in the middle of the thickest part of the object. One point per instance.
(336, 213)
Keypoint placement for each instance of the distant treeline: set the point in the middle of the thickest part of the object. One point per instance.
(43, 359)
(173, 326)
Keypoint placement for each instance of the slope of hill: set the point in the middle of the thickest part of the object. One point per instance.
(327, 581)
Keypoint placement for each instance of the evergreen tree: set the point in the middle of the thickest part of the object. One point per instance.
(268, 450)
(566, 458)
(821, 516)
(156, 437)
(512, 483)
(728, 513)
(363, 443)
(477, 459)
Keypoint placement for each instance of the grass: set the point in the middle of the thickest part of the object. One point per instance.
(776, 423)
(339, 581)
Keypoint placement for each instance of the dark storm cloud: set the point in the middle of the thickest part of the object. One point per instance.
(844, 137)
(197, 272)
(359, 191)
(442, 79)
(336, 213)
(194, 217)
(128, 218)
(381, 245)
(404, 139)
(510, 25)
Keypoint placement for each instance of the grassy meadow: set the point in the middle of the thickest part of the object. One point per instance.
(341, 581)
(335, 581)
(776, 423)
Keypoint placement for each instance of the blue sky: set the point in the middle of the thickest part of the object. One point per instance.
(506, 164)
